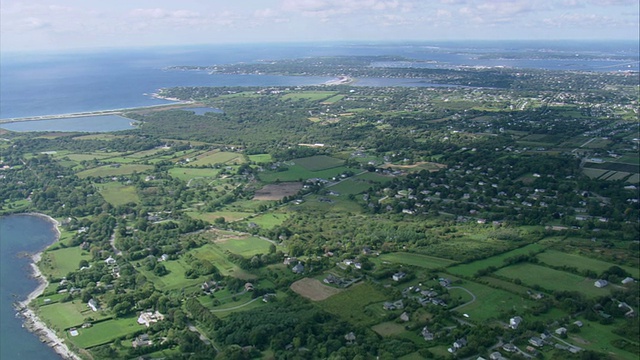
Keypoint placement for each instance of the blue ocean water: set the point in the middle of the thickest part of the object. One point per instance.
(102, 123)
(20, 234)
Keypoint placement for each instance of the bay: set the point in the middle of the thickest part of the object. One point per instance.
(20, 234)
(102, 123)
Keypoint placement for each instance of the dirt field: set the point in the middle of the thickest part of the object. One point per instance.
(277, 191)
(313, 289)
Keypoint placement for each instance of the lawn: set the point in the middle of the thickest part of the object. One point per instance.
(388, 328)
(582, 263)
(296, 172)
(350, 304)
(490, 303)
(58, 263)
(496, 261)
(218, 157)
(423, 261)
(111, 170)
(270, 220)
(320, 162)
(228, 216)
(118, 194)
(215, 255)
(351, 186)
(260, 158)
(246, 247)
(65, 315)
(175, 279)
(186, 174)
(597, 337)
(106, 332)
(551, 279)
(309, 95)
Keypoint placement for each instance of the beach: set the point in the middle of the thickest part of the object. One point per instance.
(31, 320)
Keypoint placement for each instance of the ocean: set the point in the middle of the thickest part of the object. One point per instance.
(20, 235)
(36, 84)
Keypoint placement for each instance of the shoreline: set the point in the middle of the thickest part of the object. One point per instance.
(31, 321)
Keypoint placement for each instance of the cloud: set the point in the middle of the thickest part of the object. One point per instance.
(158, 13)
(330, 8)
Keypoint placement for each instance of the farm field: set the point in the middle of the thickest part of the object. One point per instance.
(313, 289)
(389, 328)
(598, 337)
(350, 304)
(118, 194)
(60, 262)
(320, 162)
(559, 258)
(309, 95)
(212, 216)
(260, 158)
(270, 220)
(423, 261)
(186, 174)
(551, 279)
(218, 157)
(497, 261)
(111, 170)
(277, 191)
(297, 172)
(246, 247)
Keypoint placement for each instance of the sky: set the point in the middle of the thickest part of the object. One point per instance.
(77, 24)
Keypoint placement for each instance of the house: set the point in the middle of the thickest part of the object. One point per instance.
(298, 269)
(393, 305)
(141, 341)
(444, 282)
(426, 334)
(209, 286)
(110, 261)
(350, 337)
(147, 318)
(561, 331)
(536, 341)
(601, 283)
(404, 317)
(164, 257)
(248, 287)
(627, 280)
(514, 322)
(460, 343)
(398, 276)
(509, 347)
(578, 323)
(495, 356)
(93, 305)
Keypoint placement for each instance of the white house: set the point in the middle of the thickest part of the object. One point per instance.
(601, 283)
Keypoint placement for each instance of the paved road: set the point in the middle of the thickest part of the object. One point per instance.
(473, 297)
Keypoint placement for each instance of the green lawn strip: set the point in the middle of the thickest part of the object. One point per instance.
(389, 328)
(351, 186)
(106, 332)
(175, 279)
(334, 99)
(111, 170)
(118, 194)
(497, 261)
(60, 262)
(217, 257)
(423, 261)
(90, 156)
(186, 174)
(246, 247)
(218, 158)
(350, 304)
(373, 177)
(260, 158)
(296, 172)
(506, 285)
(319, 162)
(212, 216)
(146, 153)
(490, 303)
(332, 204)
(559, 258)
(62, 316)
(309, 95)
(597, 337)
(551, 279)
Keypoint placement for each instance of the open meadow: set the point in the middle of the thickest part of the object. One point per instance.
(114, 170)
(496, 261)
(350, 304)
(419, 260)
(118, 194)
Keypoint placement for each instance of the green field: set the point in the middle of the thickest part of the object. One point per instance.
(227, 215)
(351, 186)
(389, 328)
(350, 304)
(296, 172)
(118, 194)
(246, 247)
(110, 170)
(597, 337)
(218, 157)
(309, 95)
(270, 220)
(260, 158)
(333, 99)
(423, 261)
(216, 256)
(106, 331)
(186, 174)
(320, 162)
(65, 315)
(60, 262)
(551, 279)
(582, 263)
(175, 279)
(496, 261)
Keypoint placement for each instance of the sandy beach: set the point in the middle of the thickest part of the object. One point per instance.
(31, 321)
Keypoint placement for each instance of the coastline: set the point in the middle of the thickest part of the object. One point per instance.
(32, 322)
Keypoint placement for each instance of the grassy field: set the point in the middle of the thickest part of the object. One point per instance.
(333, 99)
(490, 303)
(260, 158)
(175, 279)
(227, 215)
(349, 305)
(320, 162)
(246, 247)
(186, 174)
(497, 261)
(65, 315)
(118, 194)
(60, 262)
(270, 220)
(215, 255)
(551, 279)
(559, 258)
(351, 186)
(296, 172)
(597, 337)
(309, 95)
(109, 170)
(389, 328)
(423, 261)
(106, 331)
(218, 157)
(506, 285)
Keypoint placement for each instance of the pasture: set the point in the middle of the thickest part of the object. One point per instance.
(218, 157)
(186, 174)
(118, 194)
(350, 304)
(490, 303)
(332, 100)
(389, 328)
(313, 289)
(309, 95)
(470, 269)
(558, 258)
(277, 191)
(351, 187)
(419, 260)
(106, 331)
(229, 216)
(114, 170)
(320, 162)
(216, 256)
(551, 279)
(58, 263)
(261, 158)
(297, 172)
(270, 220)
(245, 246)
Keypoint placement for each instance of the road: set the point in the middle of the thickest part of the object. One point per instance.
(473, 297)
